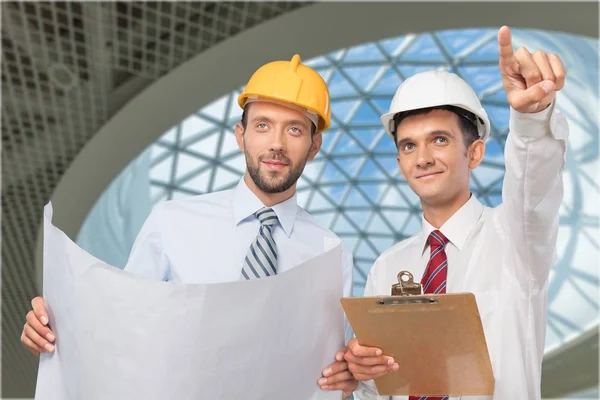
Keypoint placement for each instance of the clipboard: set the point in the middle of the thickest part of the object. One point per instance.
(437, 341)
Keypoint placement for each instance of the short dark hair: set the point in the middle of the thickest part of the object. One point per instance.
(467, 121)
(244, 121)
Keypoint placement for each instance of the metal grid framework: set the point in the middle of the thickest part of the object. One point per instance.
(354, 186)
(66, 69)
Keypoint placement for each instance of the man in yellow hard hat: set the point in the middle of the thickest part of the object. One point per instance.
(503, 255)
(255, 230)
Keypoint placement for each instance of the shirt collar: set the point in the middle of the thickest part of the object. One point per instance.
(458, 228)
(245, 204)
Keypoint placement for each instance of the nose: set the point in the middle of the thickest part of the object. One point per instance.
(424, 157)
(277, 140)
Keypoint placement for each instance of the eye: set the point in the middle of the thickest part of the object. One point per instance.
(261, 125)
(295, 130)
(408, 146)
(440, 140)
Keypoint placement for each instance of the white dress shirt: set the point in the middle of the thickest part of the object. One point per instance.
(502, 255)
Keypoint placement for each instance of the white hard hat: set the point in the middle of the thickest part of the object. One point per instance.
(434, 89)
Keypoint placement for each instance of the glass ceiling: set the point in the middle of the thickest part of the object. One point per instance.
(354, 187)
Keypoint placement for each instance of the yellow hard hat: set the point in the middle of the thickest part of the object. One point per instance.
(291, 82)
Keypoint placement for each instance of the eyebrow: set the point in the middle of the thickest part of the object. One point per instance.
(269, 120)
(298, 122)
(437, 132)
(261, 118)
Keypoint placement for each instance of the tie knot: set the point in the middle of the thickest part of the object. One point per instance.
(437, 239)
(266, 216)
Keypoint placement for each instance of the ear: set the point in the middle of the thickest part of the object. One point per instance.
(476, 153)
(239, 135)
(317, 141)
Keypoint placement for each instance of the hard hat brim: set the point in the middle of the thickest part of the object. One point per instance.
(482, 128)
(322, 125)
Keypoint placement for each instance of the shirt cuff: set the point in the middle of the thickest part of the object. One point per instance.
(546, 122)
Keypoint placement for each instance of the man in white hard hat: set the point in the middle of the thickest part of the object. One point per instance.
(503, 255)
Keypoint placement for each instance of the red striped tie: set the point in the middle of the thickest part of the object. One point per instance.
(434, 279)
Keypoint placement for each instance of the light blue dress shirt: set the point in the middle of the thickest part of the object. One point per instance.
(204, 239)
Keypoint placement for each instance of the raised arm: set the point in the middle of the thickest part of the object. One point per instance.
(534, 156)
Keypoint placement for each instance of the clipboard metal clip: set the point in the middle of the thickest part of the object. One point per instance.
(406, 285)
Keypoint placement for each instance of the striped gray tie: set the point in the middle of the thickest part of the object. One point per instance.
(261, 260)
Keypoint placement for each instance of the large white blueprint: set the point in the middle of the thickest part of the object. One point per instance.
(120, 336)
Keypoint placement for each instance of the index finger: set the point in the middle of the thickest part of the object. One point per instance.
(39, 308)
(363, 351)
(505, 47)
